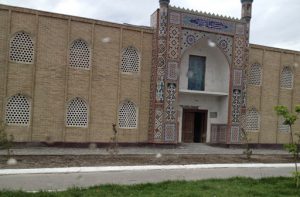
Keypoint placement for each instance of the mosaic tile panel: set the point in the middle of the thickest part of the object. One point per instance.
(163, 23)
(189, 38)
(208, 24)
(160, 86)
(173, 51)
(170, 132)
(171, 98)
(237, 77)
(225, 43)
(158, 128)
(175, 18)
(236, 104)
(172, 71)
(239, 52)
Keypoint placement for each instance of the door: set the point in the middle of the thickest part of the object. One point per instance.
(188, 126)
(194, 126)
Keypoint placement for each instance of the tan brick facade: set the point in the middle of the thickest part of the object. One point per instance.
(269, 94)
(50, 83)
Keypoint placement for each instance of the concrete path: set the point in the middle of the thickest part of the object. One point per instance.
(182, 149)
(61, 181)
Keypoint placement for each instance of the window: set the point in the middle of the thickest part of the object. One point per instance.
(80, 54)
(21, 48)
(255, 74)
(196, 73)
(286, 78)
(128, 115)
(77, 113)
(18, 110)
(281, 126)
(130, 60)
(252, 122)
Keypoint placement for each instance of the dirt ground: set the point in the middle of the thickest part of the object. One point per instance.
(41, 161)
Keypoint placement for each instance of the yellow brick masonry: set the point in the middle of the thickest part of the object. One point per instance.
(50, 83)
(269, 94)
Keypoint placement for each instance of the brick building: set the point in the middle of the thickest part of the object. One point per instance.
(190, 77)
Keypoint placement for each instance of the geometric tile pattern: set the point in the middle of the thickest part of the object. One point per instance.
(158, 128)
(163, 23)
(225, 43)
(17, 110)
(174, 42)
(170, 132)
(160, 87)
(191, 37)
(171, 98)
(172, 71)
(21, 48)
(237, 77)
(239, 52)
(236, 104)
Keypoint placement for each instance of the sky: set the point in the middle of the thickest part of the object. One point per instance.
(274, 23)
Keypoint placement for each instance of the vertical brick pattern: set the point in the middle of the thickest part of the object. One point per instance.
(104, 83)
(49, 101)
(19, 76)
(3, 56)
(78, 79)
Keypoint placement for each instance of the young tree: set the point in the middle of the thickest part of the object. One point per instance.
(6, 141)
(293, 147)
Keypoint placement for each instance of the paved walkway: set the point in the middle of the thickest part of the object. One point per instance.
(62, 181)
(182, 149)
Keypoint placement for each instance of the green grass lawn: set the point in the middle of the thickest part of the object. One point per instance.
(229, 187)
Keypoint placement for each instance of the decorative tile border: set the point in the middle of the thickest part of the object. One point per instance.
(208, 24)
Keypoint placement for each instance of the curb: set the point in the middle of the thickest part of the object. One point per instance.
(138, 168)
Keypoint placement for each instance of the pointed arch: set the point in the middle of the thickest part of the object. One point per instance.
(255, 74)
(130, 62)
(18, 109)
(80, 54)
(286, 78)
(128, 114)
(21, 48)
(252, 119)
(77, 113)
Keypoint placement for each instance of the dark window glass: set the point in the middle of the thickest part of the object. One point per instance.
(196, 73)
